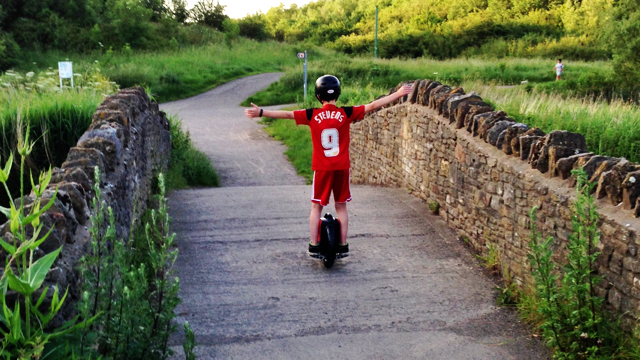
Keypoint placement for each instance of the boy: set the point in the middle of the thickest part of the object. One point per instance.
(330, 162)
(559, 68)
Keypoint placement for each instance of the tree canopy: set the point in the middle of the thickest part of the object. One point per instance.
(440, 29)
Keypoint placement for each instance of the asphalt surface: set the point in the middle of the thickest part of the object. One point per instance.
(242, 152)
(409, 289)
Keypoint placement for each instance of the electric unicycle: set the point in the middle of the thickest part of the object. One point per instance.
(329, 234)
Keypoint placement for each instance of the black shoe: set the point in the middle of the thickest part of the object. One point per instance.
(314, 251)
(342, 251)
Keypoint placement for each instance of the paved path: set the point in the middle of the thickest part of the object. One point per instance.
(409, 290)
(242, 153)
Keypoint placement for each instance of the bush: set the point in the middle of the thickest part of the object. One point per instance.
(253, 27)
(128, 286)
(206, 13)
(575, 323)
(434, 207)
(27, 332)
(188, 166)
(623, 38)
(9, 51)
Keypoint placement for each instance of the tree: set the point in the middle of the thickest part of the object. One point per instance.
(125, 22)
(623, 37)
(254, 27)
(158, 7)
(9, 51)
(180, 12)
(206, 13)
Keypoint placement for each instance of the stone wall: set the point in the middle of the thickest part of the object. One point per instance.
(486, 172)
(129, 141)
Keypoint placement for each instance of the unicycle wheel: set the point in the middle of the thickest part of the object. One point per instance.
(331, 243)
(328, 263)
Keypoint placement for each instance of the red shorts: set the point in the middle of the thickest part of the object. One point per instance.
(326, 181)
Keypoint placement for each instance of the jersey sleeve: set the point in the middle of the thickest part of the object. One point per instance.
(355, 113)
(303, 117)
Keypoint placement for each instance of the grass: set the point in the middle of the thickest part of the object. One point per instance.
(610, 128)
(582, 78)
(58, 118)
(61, 117)
(491, 258)
(298, 141)
(434, 207)
(188, 166)
(181, 73)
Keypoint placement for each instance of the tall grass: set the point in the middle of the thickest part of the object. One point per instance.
(610, 128)
(188, 166)
(181, 72)
(610, 124)
(581, 78)
(58, 117)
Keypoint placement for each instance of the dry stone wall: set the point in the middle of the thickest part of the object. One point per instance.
(487, 171)
(129, 141)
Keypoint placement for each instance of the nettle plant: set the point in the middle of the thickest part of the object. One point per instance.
(23, 322)
(129, 287)
(574, 322)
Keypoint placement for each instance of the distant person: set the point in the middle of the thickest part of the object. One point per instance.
(330, 160)
(559, 68)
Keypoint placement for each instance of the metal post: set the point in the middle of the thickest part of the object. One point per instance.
(305, 75)
(376, 45)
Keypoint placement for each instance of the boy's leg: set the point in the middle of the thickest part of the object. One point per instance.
(321, 193)
(343, 216)
(341, 196)
(314, 220)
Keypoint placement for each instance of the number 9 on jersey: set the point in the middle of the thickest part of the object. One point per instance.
(330, 142)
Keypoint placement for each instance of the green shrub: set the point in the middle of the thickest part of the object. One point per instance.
(574, 322)
(26, 333)
(253, 27)
(188, 166)
(490, 259)
(9, 51)
(129, 287)
(434, 207)
(189, 342)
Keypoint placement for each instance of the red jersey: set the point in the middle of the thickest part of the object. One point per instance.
(330, 134)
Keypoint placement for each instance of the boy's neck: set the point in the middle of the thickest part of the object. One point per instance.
(332, 102)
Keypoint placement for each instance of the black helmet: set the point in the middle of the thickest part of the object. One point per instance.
(327, 88)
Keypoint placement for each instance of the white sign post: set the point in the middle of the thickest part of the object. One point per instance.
(65, 69)
(304, 56)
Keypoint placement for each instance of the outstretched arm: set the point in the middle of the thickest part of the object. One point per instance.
(377, 104)
(276, 114)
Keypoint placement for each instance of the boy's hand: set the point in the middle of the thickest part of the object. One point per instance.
(252, 113)
(405, 90)
(377, 104)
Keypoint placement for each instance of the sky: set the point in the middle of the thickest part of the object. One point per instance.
(240, 8)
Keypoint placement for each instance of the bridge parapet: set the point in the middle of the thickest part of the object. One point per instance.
(486, 172)
(130, 143)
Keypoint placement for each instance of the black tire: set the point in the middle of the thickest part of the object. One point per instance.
(330, 249)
